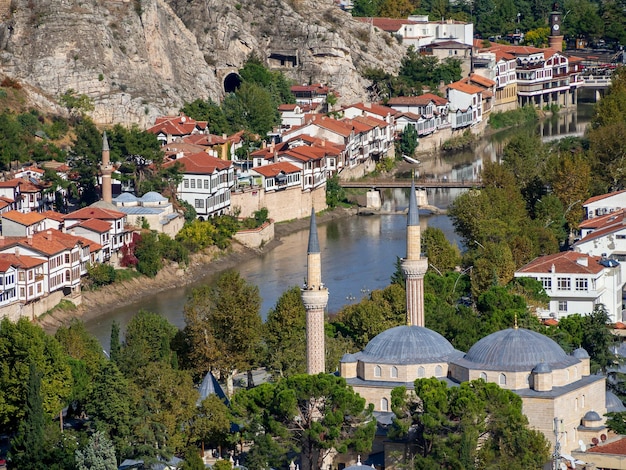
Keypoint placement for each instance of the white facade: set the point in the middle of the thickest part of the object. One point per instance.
(420, 32)
(576, 283)
(604, 204)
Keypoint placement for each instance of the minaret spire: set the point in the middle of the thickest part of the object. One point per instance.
(315, 299)
(414, 266)
(106, 169)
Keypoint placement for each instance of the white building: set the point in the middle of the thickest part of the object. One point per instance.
(604, 204)
(465, 104)
(576, 283)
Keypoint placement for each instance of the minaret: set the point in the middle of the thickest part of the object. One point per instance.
(315, 299)
(106, 169)
(414, 266)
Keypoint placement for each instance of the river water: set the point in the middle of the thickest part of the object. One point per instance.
(358, 253)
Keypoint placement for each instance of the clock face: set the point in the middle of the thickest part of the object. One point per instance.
(555, 27)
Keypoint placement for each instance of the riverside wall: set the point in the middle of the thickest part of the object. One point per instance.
(292, 203)
(257, 237)
(34, 309)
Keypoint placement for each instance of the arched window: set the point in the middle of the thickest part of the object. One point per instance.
(438, 371)
(394, 372)
(582, 401)
(384, 405)
(68, 276)
(483, 376)
(421, 372)
(576, 404)
(566, 375)
(502, 379)
(377, 371)
(575, 372)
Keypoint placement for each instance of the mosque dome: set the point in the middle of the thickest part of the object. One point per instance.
(613, 403)
(347, 357)
(408, 345)
(153, 196)
(517, 349)
(580, 353)
(542, 368)
(591, 416)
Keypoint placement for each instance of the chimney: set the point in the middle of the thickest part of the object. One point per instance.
(553, 269)
(583, 261)
(264, 144)
(29, 240)
(368, 105)
(49, 234)
(224, 136)
(17, 251)
(73, 232)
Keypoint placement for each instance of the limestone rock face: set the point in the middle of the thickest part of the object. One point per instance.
(141, 58)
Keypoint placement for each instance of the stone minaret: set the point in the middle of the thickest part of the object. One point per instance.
(106, 169)
(414, 266)
(315, 299)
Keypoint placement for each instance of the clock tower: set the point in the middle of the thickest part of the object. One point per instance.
(555, 39)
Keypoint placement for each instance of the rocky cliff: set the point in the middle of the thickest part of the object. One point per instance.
(141, 58)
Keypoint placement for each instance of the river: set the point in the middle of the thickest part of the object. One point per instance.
(358, 253)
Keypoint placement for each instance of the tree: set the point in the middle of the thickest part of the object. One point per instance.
(335, 193)
(98, 454)
(251, 107)
(208, 110)
(211, 423)
(570, 183)
(21, 344)
(537, 37)
(77, 105)
(84, 158)
(445, 425)
(223, 326)
(149, 259)
(115, 346)
(439, 251)
(408, 141)
(284, 335)
(316, 413)
(27, 449)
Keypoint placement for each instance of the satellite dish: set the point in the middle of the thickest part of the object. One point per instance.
(603, 437)
(595, 441)
(583, 447)
(562, 466)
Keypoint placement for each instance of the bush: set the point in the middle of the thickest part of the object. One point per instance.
(101, 274)
(148, 254)
(172, 250)
(462, 142)
(515, 117)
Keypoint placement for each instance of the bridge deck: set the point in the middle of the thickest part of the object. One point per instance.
(406, 183)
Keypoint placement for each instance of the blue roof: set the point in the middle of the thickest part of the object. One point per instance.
(210, 386)
(408, 344)
(139, 210)
(613, 403)
(153, 196)
(516, 349)
(126, 197)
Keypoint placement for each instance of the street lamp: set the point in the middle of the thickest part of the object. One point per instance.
(432, 266)
(461, 274)
(479, 244)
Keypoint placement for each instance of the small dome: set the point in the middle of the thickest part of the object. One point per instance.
(126, 197)
(580, 353)
(613, 403)
(348, 358)
(153, 196)
(408, 345)
(591, 416)
(542, 368)
(517, 349)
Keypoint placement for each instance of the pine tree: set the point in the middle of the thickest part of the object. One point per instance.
(27, 445)
(98, 454)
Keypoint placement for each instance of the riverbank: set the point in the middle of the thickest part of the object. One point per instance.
(102, 301)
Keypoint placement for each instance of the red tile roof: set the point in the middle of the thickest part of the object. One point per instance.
(617, 447)
(19, 261)
(269, 171)
(391, 25)
(602, 196)
(23, 219)
(94, 213)
(287, 107)
(95, 225)
(201, 163)
(421, 100)
(53, 215)
(176, 125)
(333, 125)
(205, 140)
(314, 88)
(565, 262)
(551, 322)
(374, 109)
(14, 183)
(480, 80)
(465, 88)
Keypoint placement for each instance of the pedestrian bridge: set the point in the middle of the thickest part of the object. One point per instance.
(406, 183)
(596, 81)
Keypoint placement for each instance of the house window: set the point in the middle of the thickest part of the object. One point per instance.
(384, 405)
(30, 291)
(421, 372)
(186, 183)
(377, 371)
(199, 183)
(20, 276)
(193, 183)
(30, 275)
(502, 379)
(22, 292)
(483, 376)
(562, 305)
(564, 283)
(67, 258)
(199, 203)
(394, 372)
(438, 371)
(546, 282)
(206, 184)
(68, 276)
(581, 284)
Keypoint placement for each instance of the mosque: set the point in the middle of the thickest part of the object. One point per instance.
(556, 388)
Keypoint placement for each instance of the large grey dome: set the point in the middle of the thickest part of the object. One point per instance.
(408, 345)
(613, 403)
(517, 349)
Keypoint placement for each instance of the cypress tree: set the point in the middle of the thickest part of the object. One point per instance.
(27, 446)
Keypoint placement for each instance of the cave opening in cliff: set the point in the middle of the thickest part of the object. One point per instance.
(231, 82)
